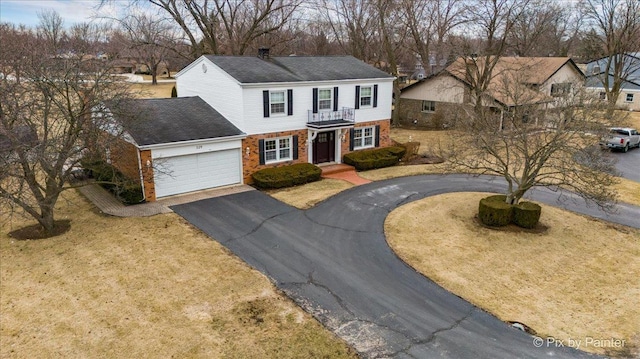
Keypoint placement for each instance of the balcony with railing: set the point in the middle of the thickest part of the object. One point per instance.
(344, 117)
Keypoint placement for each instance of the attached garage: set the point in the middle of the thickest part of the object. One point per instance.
(199, 171)
(183, 145)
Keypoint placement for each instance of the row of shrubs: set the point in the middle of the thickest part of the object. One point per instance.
(110, 178)
(375, 158)
(287, 176)
(495, 211)
(302, 173)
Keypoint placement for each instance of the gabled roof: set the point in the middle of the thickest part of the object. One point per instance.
(247, 69)
(630, 74)
(531, 70)
(527, 72)
(168, 120)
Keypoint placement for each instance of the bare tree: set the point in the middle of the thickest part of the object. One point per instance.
(544, 28)
(225, 26)
(149, 39)
(493, 21)
(354, 24)
(542, 144)
(46, 121)
(617, 24)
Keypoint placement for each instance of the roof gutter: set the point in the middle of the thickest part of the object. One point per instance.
(192, 142)
(320, 82)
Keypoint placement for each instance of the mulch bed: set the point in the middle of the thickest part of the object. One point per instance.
(423, 160)
(35, 231)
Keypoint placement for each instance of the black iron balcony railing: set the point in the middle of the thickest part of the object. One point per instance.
(346, 114)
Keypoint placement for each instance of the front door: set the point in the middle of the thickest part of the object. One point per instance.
(324, 147)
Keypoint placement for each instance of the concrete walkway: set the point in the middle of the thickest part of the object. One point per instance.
(108, 204)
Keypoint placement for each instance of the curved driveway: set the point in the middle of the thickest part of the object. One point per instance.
(333, 260)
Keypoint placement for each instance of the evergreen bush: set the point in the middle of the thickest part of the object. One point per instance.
(374, 158)
(526, 214)
(286, 176)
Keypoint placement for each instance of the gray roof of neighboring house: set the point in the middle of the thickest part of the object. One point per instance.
(631, 74)
(247, 69)
(158, 121)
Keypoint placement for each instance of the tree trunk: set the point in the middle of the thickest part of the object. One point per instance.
(46, 219)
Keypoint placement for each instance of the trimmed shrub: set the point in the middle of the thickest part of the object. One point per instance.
(287, 176)
(174, 92)
(374, 158)
(526, 214)
(128, 191)
(494, 211)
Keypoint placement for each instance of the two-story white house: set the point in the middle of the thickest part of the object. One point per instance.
(286, 110)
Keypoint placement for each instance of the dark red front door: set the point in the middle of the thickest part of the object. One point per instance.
(324, 147)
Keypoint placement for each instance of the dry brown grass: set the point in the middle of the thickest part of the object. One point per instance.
(308, 195)
(578, 279)
(147, 90)
(143, 287)
(632, 119)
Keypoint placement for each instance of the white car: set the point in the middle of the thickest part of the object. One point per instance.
(620, 138)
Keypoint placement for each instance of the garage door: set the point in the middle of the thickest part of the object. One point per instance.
(188, 173)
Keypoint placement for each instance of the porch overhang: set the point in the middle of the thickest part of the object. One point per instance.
(330, 125)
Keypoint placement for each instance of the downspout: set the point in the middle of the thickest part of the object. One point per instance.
(144, 194)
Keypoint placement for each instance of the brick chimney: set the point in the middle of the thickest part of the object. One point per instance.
(263, 53)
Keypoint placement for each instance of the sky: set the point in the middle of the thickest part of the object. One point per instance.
(72, 11)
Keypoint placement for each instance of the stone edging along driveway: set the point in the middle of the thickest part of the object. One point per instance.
(333, 260)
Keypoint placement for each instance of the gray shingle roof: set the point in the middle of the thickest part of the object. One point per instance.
(168, 120)
(247, 69)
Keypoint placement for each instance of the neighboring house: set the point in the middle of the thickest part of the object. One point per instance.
(176, 145)
(629, 97)
(237, 115)
(294, 109)
(516, 81)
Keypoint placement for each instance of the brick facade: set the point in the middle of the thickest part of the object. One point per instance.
(385, 134)
(147, 175)
(124, 157)
(251, 161)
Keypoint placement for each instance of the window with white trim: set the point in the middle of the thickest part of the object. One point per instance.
(428, 106)
(363, 137)
(629, 97)
(325, 99)
(277, 149)
(366, 95)
(277, 102)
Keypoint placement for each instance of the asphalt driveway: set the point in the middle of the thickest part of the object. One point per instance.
(333, 260)
(628, 164)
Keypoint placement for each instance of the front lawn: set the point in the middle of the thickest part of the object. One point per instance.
(577, 279)
(150, 287)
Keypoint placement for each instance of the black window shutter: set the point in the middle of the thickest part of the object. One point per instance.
(335, 98)
(295, 147)
(315, 100)
(377, 135)
(289, 102)
(261, 151)
(351, 136)
(357, 97)
(265, 103)
(375, 95)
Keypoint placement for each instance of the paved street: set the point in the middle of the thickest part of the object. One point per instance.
(333, 260)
